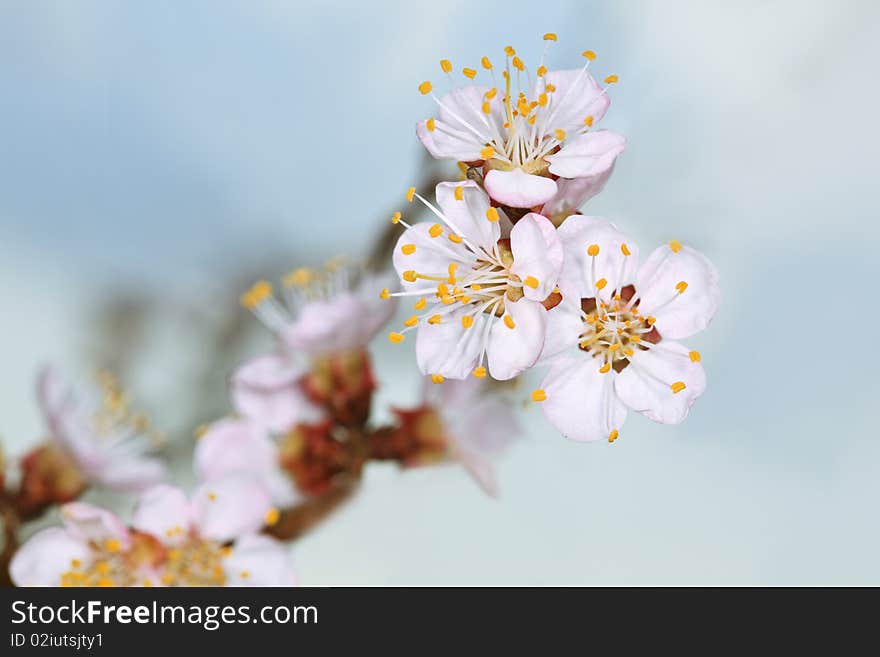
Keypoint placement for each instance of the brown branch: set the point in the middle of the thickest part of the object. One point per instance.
(10, 519)
(300, 519)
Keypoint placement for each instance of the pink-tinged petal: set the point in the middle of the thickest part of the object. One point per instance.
(267, 390)
(537, 255)
(519, 189)
(432, 255)
(325, 325)
(564, 327)
(449, 142)
(378, 311)
(582, 273)
(577, 96)
(87, 522)
(679, 314)
(131, 474)
(448, 348)
(511, 351)
(572, 193)
(46, 556)
(258, 560)
(649, 383)
(469, 214)
(230, 507)
(461, 113)
(53, 393)
(479, 468)
(581, 402)
(165, 512)
(475, 418)
(588, 155)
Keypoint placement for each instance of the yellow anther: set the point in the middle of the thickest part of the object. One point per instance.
(298, 277)
(593, 250)
(258, 293)
(611, 79)
(588, 121)
(464, 300)
(479, 372)
(589, 54)
(542, 71)
(410, 276)
(650, 320)
(212, 497)
(245, 574)
(430, 124)
(167, 579)
(437, 378)
(532, 282)
(550, 88)
(635, 338)
(447, 299)
(476, 287)
(435, 319)
(542, 100)
(395, 218)
(694, 356)
(486, 63)
(517, 64)
(385, 293)
(451, 269)
(613, 435)
(469, 73)
(436, 230)
(604, 369)
(395, 338)
(492, 215)
(420, 304)
(550, 36)
(112, 545)
(628, 352)
(446, 65)
(408, 249)
(487, 152)
(467, 321)
(412, 321)
(624, 249)
(508, 322)
(458, 193)
(509, 51)
(106, 582)
(681, 286)
(102, 567)
(272, 516)
(75, 563)
(601, 283)
(410, 193)
(678, 386)
(455, 238)
(425, 87)
(486, 107)
(616, 345)
(442, 290)
(539, 395)
(489, 95)
(560, 134)
(675, 245)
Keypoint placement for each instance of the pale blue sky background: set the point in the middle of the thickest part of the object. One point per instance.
(164, 148)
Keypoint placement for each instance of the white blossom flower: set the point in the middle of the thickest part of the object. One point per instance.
(321, 312)
(532, 136)
(611, 343)
(110, 444)
(479, 284)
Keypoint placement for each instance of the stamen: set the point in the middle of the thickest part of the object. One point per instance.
(675, 245)
(479, 372)
(425, 87)
(395, 338)
(593, 250)
(681, 286)
(539, 395)
(437, 378)
(694, 356)
(678, 386)
(492, 214)
(613, 435)
(508, 322)
(469, 73)
(446, 65)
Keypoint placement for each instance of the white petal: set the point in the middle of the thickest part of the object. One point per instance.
(476, 418)
(130, 473)
(326, 325)
(581, 402)
(645, 384)
(448, 348)
(519, 189)
(469, 214)
(564, 327)
(588, 155)
(479, 468)
(461, 127)
(512, 351)
(267, 390)
(230, 507)
(678, 315)
(448, 142)
(377, 311)
(45, 556)
(431, 257)
(165, 512)
(581, 271)
(537, 253)
(87, 522)
(577, 96)
(258, 560)
(572, 193)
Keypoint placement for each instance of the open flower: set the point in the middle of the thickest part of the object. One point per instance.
(480, 285)
(323, 312)
(211, 540)
(612, 341)
(467, 421)
(528, 136)
(109, 443)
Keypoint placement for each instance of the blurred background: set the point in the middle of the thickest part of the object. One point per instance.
(157, 157)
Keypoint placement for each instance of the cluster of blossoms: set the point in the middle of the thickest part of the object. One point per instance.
(510, 276)
(506, 277)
